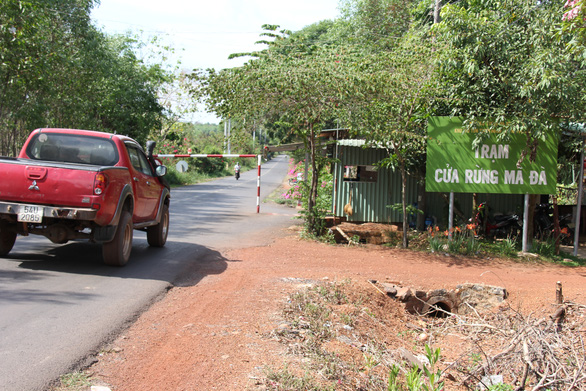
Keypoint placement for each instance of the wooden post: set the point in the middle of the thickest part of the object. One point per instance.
(451, 217)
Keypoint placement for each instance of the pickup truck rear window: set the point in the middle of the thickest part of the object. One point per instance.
(70, 148)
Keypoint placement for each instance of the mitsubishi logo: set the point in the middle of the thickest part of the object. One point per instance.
(34, 186)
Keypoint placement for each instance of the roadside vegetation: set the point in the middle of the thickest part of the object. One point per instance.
(464, 240)
(348, 335)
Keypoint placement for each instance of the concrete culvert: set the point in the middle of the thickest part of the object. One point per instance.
(438, 309)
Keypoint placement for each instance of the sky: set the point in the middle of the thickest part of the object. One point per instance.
(205, 33)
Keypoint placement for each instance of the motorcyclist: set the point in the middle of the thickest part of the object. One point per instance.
(237, 170)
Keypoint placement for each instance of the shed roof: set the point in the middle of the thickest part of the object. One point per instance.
(351, 143)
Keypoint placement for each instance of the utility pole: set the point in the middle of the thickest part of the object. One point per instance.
(229, 135)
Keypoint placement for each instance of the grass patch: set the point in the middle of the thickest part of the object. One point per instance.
(176, 178)
(464, 242)
(284, 379)
(76, 381)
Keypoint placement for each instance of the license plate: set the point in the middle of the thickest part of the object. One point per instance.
(30, 214)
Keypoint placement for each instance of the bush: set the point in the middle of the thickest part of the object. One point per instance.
(463, 241)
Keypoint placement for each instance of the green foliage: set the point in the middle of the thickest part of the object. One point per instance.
(414, 380)
(432, 373)
(58, 70)
(176, 178)
(510, 63)
(376, 23)
(301, 191)
(411, 209)
(508, 247)
(574, 14)
(463, 241)
(546, 250)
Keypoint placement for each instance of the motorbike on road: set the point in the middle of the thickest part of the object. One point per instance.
(237, 171)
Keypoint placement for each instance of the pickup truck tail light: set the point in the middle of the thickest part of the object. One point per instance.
(100, 183)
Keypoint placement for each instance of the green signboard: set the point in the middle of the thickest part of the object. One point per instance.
(453, 164)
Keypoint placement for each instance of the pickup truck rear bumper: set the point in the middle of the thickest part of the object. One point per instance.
(12, 208)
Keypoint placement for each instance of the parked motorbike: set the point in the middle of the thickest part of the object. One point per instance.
(502, 226)
(543, 224)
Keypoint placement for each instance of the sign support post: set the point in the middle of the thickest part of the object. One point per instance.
(525, 224)
(451, 217)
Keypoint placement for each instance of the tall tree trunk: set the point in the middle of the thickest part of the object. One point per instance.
(533, 200)
(421, 205)
(312, 222)
(556, 224)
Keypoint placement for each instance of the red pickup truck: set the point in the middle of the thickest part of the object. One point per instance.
(71, 184)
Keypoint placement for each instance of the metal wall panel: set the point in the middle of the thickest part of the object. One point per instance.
(369, 199)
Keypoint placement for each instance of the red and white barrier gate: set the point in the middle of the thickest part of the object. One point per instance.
(226, 156)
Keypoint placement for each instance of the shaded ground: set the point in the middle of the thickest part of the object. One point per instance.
(220, 333)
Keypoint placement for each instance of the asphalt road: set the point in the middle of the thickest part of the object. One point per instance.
(60, 303)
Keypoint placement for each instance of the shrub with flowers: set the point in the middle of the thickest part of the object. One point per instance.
(574, 19)
(573, 7)
(299, 191)
(463, 240)
(295, 172)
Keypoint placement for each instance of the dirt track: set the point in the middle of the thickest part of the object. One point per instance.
(213, 335)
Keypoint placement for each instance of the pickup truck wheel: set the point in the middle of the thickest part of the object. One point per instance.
(7, 239)
(157, 234)
(117, 252)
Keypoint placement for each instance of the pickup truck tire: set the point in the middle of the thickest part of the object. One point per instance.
(157, 234)
(7, 239)
(117, 252)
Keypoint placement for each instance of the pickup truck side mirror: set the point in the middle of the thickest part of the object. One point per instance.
(161, 171)
(150, 147)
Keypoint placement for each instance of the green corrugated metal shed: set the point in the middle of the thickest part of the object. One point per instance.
(369, 199)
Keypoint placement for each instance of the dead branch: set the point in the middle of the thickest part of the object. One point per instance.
(530, 353)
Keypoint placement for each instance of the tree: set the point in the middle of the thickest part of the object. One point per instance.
(58, 70)
(507, 61)
(378, 24)
(38, 40)
(391, 84)
(395, 90)
(510, 62)
(305, 88)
